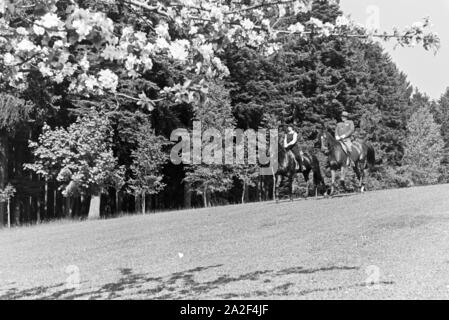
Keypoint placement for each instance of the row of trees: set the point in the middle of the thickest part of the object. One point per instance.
(91, 91)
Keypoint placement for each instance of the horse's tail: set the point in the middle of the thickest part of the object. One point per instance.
(370, 157)
(317, 177)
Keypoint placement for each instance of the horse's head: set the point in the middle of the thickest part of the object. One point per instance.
(281, 141)
(324, 140)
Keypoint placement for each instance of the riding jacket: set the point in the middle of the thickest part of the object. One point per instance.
(344, 130)
(290, 137)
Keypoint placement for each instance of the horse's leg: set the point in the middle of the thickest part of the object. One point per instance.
(306, 174)
(365, 173)
(359, 176)
(342, 177)
(333, 176)
(277, 185)
(291, 179)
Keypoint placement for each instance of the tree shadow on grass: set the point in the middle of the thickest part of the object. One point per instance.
(14, 293)
(185, 285)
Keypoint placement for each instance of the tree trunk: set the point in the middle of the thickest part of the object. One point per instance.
(118, 206)
(3, 171)
(143, 203)
(17, 211)
(244, 191)
(68, 207)
(205, 197)
(9, 213)
(157, 202)
(59, 204)
(46, 200)
(187, 195)
(137, 203)
(38, 210)
(26, 209)
(94, 207)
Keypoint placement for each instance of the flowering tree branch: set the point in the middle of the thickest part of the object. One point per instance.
(77, 44)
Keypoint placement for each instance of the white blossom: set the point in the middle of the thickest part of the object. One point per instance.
(68, 69)
(50, 20)
(342, 21)
(63, 57)
(316, 22)
(141, 37)
(161, 43)
(266, 23)
(82, 28)
(162, 30)
(8, 59)
(108, 79)
(130, 62)
(206, 51)
(247, 24)
(22, 31)
(149, 48)
(147, 62)
(45, 69)
(112, 53)
(84, 63)
(38, 30)
(127, 31)
(418, 25)
(90, 82)
(59, 78)
(58, 44)
(193, 30)
(328, 28)
(178, 50)
(298, 27)
(25, 45)
(217, 13)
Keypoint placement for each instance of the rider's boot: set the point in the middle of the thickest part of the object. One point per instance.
(303, 166)
(301, 157)
(297, 165)
(350, 163)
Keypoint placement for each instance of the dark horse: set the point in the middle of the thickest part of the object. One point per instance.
(288, 168)
(362, 156)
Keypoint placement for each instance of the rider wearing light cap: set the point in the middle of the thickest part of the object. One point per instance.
(344, 132)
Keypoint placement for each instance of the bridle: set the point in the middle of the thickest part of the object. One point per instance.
(324, 143)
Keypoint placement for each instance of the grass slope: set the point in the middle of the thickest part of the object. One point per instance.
(315, 249)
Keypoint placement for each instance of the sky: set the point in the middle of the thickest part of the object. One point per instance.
(426, 71)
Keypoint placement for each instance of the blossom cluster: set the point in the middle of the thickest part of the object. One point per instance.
(74, 44)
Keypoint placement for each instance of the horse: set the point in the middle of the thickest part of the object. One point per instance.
(288, 167)
(362, 156)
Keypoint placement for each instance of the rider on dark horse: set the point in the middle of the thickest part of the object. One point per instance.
(343, 153)
(291, 144)
(343, 133)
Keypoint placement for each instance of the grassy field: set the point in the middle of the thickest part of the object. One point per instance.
(314, 249)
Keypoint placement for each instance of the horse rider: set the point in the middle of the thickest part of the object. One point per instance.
(291, 144)
(343, 133)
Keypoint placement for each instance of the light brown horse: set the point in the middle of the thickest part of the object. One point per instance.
(362, 156)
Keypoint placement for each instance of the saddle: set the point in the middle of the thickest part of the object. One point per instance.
(348, 148)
